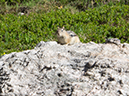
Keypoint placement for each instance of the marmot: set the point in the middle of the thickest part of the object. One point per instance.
(66, 37)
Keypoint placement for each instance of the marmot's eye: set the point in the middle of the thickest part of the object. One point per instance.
(61, 30)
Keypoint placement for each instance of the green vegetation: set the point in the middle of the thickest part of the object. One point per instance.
(92, 21)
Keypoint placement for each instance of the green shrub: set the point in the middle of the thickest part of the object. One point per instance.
(83, 5)
(24, 32)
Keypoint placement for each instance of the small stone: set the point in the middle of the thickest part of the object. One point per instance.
(113, 40)
(21, 13)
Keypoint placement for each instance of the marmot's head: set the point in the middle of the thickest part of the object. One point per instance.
(61, 32)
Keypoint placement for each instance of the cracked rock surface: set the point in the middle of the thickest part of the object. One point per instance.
(51, 69)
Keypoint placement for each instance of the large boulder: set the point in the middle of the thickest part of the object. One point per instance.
(51, 69)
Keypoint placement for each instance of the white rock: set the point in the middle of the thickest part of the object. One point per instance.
(51, 69)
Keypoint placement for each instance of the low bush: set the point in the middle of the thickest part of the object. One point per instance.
(24, 32)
